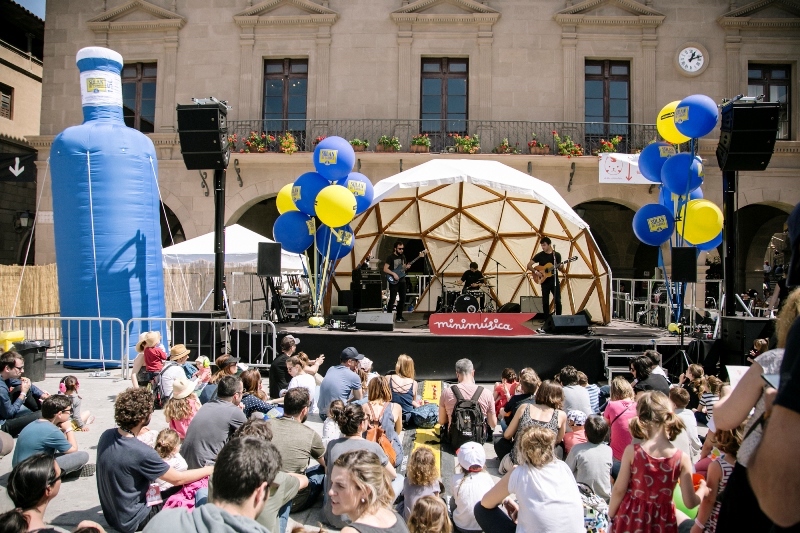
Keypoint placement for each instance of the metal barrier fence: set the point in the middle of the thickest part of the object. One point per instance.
(634, 137)
(82, 340)
(252, 341)
(645, 301)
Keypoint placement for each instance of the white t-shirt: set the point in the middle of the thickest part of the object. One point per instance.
(178, 463)
(466, 495)
(549, 501)
(308, 382)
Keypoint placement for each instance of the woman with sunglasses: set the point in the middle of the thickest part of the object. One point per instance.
(32, 484)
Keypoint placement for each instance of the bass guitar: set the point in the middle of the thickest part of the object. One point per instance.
(401, 270)
(542, 272)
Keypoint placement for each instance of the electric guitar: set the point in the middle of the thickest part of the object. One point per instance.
(542, 272)
(401, 270)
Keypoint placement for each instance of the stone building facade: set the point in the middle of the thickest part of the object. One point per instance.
(527, 62)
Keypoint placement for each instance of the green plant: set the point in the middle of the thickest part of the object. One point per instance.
(421, 139)
(536, 143)
(390, 142)
(287, 143)
(609, 146)
(505, 148)
(467, 144)
(359, 142)
(566, 146)
(255, 142)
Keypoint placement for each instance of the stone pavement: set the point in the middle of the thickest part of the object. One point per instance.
(78, 499)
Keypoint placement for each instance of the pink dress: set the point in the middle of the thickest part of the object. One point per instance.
(180, 426)
(647, 504)
(619, 414)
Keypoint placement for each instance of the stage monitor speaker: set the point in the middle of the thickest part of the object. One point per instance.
(566, 324)
(510, 307)
(531, 304)
(203, 135)
(269, 259)
(375, 321)
(747, 135)
(199, 337)
(587, 314)
(684, 264)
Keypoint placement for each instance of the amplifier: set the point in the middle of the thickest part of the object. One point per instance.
(375, 321)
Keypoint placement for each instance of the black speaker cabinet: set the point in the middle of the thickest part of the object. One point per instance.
(346, 300)
(199, 337)
(747, 135)
(252, 345)
(587, 314)
(367, 295)
(684, 264)
(203, 134)
(510, 307)
(269, 259)
(531, 304)
(375, 321)
(566, 324)
(738, 334)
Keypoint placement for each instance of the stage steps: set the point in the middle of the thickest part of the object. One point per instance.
(617, 354)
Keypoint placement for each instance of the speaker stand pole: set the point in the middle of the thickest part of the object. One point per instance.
(729, 239)
(219, 239)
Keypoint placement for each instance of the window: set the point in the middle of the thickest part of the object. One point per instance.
(285, 97)
(443, 98)
(607, 93)
(139, 96)
(6, 101)
(773, 82)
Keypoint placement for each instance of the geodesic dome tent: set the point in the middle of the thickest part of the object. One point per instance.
(459, 208)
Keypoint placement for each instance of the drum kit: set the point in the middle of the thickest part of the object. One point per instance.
(472, 301)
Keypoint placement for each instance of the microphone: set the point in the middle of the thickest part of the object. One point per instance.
(479, 251)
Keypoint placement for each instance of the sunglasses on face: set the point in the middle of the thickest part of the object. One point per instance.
(20, 367)
(56, 479)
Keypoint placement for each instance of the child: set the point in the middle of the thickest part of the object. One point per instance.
(366, 366)
(576, 419)
(69, 387)
(154, 356)
(469, 486)
(693, 380)
(718, 473)
(642, 493)
(591, 461)
(710, 396)
(422, 478)
(202, 371)
(181, 407)
(592, 389)
(330, 429)
(504, 390)
(302, 379)
(680, 399)
(168, 446)
(429, 516)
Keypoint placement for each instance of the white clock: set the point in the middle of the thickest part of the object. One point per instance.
(692, 59)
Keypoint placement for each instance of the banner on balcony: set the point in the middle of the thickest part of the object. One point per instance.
(621, 168)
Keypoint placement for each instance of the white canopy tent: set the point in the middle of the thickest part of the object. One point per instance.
(484, 211)
(241, 246)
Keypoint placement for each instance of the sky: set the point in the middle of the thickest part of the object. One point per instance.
(34, 6)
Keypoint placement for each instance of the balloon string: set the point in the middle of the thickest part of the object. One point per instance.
(326, 271)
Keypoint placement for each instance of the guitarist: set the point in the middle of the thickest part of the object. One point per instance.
(393, 262)
(547, 255)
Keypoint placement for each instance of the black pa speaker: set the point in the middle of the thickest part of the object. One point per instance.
(269, 259)
(510, 307)
(747, 135)
(566, 324)
(367, 295)
(202, 338)
(684, 264)
(375, 321)
(587, 314)
(203, 134)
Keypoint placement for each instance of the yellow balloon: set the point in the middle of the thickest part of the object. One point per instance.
(702, 221)
(665, 123)
(316, 321)
(335, 206)
(284, 200)
(673, 327)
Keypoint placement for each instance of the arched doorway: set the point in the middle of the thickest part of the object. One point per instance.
(757, 226)
(171, 228)
(260, 217)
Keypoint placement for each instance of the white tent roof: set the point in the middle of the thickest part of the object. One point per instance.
(484, 211)
(241, 246)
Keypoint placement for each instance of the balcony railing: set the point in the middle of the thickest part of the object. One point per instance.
(634, 137)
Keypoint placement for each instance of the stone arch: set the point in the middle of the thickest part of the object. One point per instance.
(756, 224)
(259, 212)
(172, 231)
(181, 212)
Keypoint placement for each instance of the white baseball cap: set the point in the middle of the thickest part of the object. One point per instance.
(471, 457)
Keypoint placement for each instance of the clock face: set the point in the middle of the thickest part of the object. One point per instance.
(691, 59)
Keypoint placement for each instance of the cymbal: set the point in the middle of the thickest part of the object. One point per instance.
(451, 283)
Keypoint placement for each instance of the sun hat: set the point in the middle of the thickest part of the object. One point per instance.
(351, 353)
(226, 361)
(151, 338)
(181, 388)
(141, 342)
(471, 457)
(178, 351)
(576, 417)
(365, 364)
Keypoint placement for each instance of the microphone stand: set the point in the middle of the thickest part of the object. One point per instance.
(557, 291)
(427, 270)
(444, 300)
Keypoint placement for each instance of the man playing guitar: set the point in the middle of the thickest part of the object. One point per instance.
(394, 267)
(547, 255)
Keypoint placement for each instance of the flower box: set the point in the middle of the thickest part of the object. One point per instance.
(465, 150)
(539, 150)
(359, 148)
(385, 148)
(419, 149)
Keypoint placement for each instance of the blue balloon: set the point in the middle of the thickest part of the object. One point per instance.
(361, 187)
(670, 200)
(710, 245)
(696, 116)
(682, 173)
(653, 224)
(653, 158)
(335, 243)
(295, 231)
(334, 158)
(305, 191)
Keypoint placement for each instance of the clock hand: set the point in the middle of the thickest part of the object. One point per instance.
(691, 57)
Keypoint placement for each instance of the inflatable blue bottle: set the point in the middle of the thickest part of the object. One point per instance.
(106, 211)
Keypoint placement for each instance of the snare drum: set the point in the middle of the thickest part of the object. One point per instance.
(480, 296)
(466, 304)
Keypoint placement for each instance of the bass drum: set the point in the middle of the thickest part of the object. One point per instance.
(467, 304)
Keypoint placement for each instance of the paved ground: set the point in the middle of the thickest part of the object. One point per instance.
(78, 499)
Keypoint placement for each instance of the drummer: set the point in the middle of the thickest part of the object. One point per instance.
(472, 279)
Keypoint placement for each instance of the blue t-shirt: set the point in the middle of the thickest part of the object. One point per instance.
(338, 382)
(40, 436)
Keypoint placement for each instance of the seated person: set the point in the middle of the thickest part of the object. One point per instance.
(19, 398)
(591, 461)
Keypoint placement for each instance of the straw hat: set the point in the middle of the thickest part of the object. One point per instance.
(151, 338)
(142, 341)
(178, 351)
(181, 388)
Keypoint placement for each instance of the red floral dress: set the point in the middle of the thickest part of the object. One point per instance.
(647, 505)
